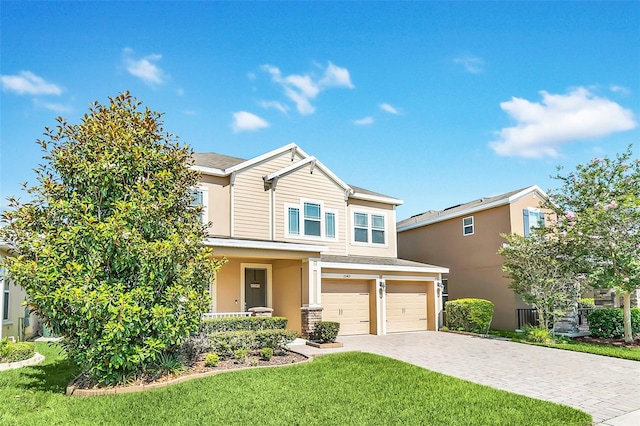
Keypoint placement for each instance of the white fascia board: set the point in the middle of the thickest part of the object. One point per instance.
(392, 268)
(210, 171)
(377, 198)
(472, 210)
(264, 245)
(263, 157)
(332, 176)
(286, 170)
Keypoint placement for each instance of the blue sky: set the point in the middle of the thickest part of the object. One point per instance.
(435, 103)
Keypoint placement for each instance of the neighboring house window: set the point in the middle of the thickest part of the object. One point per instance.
(369, 228)
(199, 198)
(532, 218)
(445, 292)
(467, 226)
(5, 308)
(314, 222)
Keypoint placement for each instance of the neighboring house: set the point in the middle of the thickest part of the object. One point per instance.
(466, 238)
(17, 322)
(301, 241)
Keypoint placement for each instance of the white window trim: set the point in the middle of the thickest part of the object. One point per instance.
(473, 226)
(369, 214)
(205, 201)
(6, 300)
(532, 226)
(301, 235)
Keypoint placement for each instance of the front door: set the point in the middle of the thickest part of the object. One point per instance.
(255, 288)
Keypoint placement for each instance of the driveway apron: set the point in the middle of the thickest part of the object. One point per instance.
(602, 386)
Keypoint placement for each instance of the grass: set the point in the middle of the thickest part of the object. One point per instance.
(632, 354)
(339, 389)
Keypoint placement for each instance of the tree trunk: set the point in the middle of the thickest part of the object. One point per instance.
(628, 336)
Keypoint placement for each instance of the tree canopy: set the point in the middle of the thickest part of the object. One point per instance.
(109, 247)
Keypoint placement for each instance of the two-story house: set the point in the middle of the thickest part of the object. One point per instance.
(466, 238)
(301, 241)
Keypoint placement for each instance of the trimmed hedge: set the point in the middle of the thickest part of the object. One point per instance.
(15, 351)
(226, 343)
(473, 315)
(325, 331)
(216, 325)
(608, 323)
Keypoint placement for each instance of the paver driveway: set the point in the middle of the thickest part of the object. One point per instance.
(602, 386)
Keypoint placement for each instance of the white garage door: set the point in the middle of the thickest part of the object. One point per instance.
(406, 307)
(347, 303)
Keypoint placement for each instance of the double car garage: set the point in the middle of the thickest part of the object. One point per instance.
(356, 304)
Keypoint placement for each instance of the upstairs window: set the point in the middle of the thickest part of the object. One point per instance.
(199, 198)
(532, 218)
(369, 228)
(467, 226)
(314, 222)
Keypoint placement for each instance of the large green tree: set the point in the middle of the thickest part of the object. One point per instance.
(598, 207)
(542, 272)
(109, 248)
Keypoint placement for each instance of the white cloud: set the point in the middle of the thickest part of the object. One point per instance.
(180, 91)
(245, 121)
(388, 108)
(619, 89)
(302, 89)
(471, 63)
(335, 76)
(52, 106)
(274, 105)
(189, 112)
(542, 127)
(144, 68)
(363, 121)
(26, 82)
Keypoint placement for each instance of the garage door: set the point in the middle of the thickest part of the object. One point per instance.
(347, 303)
(406, 307)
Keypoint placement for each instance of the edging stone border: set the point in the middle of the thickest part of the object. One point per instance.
(74, 391)
(35, 359)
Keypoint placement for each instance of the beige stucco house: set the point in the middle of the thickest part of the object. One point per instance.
(465, 238)
(301, 241)
(17, 322)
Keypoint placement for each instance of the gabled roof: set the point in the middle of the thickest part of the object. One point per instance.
(434, 216)
(223, 165)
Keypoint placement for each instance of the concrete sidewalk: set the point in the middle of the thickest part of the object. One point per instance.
(607, 388)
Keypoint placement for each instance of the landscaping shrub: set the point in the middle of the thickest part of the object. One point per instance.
(587, 302)
(266, 354)
(15, 351)
(167, 363)
(211, 360)
(325, 331)
(537, 334)
(215, 325)
(241, 355)
(473, 315)
(274, 339)
(194, 347)
(225, 343)
(608, 323)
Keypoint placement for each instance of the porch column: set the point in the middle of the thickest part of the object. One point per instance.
(314, 282)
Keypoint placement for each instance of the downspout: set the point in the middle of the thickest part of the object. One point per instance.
(232, 204)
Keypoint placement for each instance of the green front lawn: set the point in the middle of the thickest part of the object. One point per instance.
(349, 388)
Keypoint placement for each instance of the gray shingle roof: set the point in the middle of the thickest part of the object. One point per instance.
(372, 260)
(358, 189)
(215, 161)
(460, 208)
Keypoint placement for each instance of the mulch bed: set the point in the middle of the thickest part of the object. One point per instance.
(198, 369)
(608, 342)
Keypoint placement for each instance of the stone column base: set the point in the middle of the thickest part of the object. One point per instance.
(310, 316)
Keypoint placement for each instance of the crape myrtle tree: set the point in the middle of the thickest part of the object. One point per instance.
(542, 272)
(598, 207)
(109, 248)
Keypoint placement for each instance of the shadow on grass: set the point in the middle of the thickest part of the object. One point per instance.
(53, 375)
